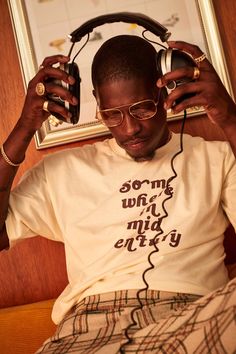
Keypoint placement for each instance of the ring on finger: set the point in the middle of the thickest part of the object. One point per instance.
(40, 89)
(196, 73)
(54, 121)
(45, 106)
(200, 58)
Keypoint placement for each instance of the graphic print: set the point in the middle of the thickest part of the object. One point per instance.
(146, 227)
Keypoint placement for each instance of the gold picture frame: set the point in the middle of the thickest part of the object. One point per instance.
(203, 26)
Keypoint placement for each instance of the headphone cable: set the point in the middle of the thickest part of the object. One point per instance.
(152, 266)
(72, 46)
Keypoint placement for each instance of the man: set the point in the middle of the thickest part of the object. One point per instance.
(142, 218)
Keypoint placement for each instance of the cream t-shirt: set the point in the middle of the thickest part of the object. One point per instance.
(109, 211)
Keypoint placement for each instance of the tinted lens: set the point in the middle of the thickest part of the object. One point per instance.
(143, 110)
(111, 117)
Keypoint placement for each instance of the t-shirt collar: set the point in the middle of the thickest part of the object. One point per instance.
(170, 146)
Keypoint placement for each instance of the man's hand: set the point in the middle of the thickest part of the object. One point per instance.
(208, 90)
(33, 114)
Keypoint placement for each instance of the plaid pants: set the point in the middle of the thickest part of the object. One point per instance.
(165, 323)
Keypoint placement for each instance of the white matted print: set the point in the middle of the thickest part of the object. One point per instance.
(42, 28)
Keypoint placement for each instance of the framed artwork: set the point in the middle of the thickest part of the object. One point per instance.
(41, 29)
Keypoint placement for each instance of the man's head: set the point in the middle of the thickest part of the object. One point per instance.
(124, 72)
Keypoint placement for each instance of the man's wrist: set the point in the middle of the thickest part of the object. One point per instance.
(8, 160)
(26, 129)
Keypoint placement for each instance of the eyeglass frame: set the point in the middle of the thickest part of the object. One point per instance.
(98, 111)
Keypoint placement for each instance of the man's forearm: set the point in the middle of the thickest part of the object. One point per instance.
(7, 176)
(14, 150)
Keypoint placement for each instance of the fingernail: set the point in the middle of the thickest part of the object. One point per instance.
(159, 83)
(74, 100)
(71, 80)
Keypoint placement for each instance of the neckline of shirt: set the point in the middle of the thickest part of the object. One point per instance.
(173, 145)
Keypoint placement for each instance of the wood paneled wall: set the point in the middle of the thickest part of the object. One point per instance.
(35, 269)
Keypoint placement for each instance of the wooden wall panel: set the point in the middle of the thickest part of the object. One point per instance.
(225, 13)
(29, 272)
(11, 88)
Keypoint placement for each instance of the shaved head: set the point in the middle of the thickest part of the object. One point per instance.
(124, 57)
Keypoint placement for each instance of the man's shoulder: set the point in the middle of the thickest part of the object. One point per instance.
(79, 151)
(198, 141)
(209, 150)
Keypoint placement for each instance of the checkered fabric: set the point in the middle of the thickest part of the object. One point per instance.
(162, 322)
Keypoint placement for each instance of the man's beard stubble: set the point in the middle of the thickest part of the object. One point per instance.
(148, 157)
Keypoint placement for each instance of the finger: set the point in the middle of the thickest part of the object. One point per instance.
(194, 101)
(61, 93)
(186, 104)
(185, 46)
(47, 75)
(191, 96)
(54, 108)
(181, 93)
(192, 49)
(54, 59)
(185, 73)
(56, 73)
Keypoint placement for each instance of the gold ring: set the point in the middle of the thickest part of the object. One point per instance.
(40, 89)
(54, 121)
(45, 106)
(196, 73)
(201, 58)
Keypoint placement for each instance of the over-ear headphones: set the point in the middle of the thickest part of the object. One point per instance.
(167, 59)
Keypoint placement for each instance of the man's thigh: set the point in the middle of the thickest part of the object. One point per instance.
(207, 325)
(173, 324)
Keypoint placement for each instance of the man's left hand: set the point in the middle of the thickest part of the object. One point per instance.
(207, 91)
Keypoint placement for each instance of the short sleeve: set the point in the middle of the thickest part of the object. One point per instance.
(229, 186)
(31, 212)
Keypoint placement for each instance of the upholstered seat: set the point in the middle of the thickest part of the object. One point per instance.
(24, 328)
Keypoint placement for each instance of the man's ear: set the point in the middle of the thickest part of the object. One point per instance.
(95, 95)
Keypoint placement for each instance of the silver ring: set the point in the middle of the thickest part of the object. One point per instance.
(200, 58)
(40, 89)
(45, 106)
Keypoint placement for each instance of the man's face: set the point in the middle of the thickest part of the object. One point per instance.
(139, 138)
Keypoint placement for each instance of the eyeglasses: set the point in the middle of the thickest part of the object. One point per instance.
(141, 110)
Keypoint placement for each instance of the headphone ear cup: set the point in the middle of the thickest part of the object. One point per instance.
(161, 69)
(165, 66)
(73, 70)
(172, 59)
(179, 60)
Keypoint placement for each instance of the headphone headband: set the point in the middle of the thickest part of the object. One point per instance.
(166, 60)
(128, 17)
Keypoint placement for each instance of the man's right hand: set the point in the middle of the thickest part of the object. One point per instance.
(33, 115)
